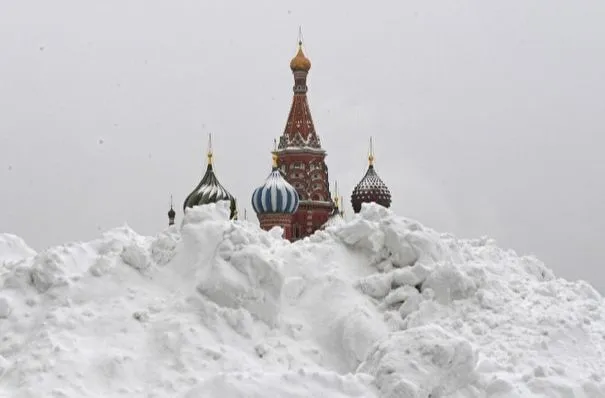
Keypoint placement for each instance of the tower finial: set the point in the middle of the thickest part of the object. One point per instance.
(371, 153)
(274, 153)
(209, 149)
(300, 36)
(171, 201)
(336, 198)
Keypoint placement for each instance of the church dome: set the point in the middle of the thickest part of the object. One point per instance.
(276, 195)
(171, 213)
(371, 188)
(300, 61)
(209, 190)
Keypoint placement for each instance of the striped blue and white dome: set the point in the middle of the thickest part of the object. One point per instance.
(276, 195)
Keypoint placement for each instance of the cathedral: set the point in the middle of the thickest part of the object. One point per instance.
(296, 194)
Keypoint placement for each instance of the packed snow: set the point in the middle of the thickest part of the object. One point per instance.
(379, 306)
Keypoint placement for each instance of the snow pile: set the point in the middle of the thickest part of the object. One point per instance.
(377, 307)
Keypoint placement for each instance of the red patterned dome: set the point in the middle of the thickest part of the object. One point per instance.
(370, 189)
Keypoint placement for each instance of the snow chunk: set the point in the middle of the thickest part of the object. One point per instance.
(137, 256)
(4, 365)
(163, 248)
(249, 280)
(377, 285)
(425, 361)
(449, 283)
(362, 234)
(410, 275)
(102, 266)
(239, 271)
(5, 307)
(59, 266)
(299, 384)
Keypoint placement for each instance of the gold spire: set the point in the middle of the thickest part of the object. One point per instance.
(209, 149)
(300, 61)
(274, 153)
(336, 195)
(371, 154)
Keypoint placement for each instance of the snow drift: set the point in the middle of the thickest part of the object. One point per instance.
(380, 306)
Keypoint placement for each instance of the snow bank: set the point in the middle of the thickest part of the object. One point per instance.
(380, 306)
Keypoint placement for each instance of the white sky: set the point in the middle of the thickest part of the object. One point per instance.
(488, 117)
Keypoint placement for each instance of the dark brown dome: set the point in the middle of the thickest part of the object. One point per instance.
(370, 189)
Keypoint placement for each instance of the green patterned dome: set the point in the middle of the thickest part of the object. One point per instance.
(210, 190)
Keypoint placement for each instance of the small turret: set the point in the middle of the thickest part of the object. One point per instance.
(171, 213)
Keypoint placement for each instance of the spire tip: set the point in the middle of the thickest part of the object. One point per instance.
(209, 149)
(300, 36)
(274, 153)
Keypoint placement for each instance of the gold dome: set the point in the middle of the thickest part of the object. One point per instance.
(300, 61)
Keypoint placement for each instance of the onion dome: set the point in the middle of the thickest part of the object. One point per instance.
(210, 190)
(276, 195)
(300, 61)
(370, 188)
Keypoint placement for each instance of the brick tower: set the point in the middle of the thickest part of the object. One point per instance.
(301, 158)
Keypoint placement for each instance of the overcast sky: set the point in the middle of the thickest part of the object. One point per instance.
(488, 117)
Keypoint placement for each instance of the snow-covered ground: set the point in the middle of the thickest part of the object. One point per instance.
(380, 306)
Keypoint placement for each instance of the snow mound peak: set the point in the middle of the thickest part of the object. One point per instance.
(380, 306)
(13, 249)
